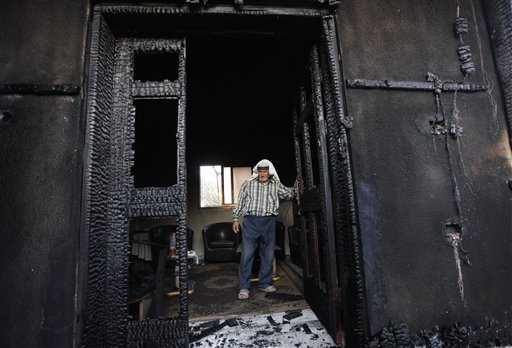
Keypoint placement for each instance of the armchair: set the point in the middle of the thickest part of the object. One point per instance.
(220, 243)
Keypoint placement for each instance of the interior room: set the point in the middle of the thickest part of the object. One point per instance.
(240, 95)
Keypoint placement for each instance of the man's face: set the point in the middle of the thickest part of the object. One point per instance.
(263, 175)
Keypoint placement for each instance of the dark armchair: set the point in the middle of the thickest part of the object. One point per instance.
(220, 243)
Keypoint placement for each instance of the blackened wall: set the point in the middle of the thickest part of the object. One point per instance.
(403, 174)
(414, 188)
(499, 21)
(41, 42)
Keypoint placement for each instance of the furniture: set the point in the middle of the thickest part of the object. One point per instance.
(163, 239)
(192, 255)
(220, 243)
(164, 236)
(139, 306)
(141, 247)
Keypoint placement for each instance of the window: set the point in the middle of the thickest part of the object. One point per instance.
(220, 186)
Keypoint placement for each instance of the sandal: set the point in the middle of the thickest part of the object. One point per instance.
(270, 288)
(243, 294)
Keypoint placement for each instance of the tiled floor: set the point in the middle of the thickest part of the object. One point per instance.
(296, 328)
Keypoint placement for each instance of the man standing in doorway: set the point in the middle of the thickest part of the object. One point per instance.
(258, 202)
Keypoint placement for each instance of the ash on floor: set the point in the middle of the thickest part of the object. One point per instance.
(296, 328)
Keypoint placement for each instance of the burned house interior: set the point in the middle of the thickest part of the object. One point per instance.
(242, 91)
(240, 96)
(128, 127)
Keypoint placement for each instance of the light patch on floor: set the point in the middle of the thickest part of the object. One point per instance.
(296, 328)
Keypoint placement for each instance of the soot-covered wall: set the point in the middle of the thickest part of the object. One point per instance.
(42, 47)
(404, 175)
(431, 177)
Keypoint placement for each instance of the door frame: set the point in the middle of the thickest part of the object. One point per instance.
(346, 225)
(110, 198)
(344, 296)
(315, 217)
(102, 299)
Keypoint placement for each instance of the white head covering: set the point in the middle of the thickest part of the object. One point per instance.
(265, 163)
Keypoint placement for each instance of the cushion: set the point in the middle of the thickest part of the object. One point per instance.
(221, 244)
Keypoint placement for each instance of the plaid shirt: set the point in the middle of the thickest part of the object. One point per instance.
(261, 199)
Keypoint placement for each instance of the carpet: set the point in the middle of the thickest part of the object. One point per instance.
(216, 289)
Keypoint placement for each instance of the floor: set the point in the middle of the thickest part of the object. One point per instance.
(219, 319)
(216, 288)
(280, 319)
(294, 328)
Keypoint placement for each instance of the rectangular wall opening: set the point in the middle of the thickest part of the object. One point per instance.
(151, 66)
(155, 142)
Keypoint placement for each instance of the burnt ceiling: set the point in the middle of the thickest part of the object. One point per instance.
(230, 22)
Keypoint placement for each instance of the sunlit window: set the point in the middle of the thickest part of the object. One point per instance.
(220, 186)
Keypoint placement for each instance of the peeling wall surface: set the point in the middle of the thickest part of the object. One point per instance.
(430, 168)
(42, 48)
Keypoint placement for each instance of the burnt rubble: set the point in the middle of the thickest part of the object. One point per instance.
(398, 335)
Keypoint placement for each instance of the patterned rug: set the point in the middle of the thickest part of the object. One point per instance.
(216, 289)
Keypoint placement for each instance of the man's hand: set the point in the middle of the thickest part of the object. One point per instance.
(236, 226)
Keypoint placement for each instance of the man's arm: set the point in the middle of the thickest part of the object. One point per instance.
(287, 192)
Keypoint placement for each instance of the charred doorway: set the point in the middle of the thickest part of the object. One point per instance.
(118, 188)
